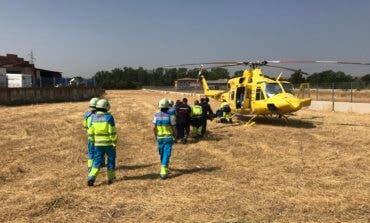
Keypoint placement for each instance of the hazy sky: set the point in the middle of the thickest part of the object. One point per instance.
(81, 37)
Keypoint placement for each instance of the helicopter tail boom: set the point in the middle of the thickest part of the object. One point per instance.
(216, 94)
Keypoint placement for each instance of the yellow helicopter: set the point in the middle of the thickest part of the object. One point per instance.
(255, 94)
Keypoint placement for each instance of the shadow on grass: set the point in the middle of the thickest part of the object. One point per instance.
(133, 167)
(294, 123)
(173, 173)
(179, 172)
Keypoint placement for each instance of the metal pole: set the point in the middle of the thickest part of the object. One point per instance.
(40, 81)
(351, 93)
(332, 96)
(317, 91)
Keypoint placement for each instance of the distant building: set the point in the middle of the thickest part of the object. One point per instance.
(13, 64)
(191, 83)
(220, 84)
(187, 83)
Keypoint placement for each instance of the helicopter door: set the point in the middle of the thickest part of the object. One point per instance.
(240, 95)
(259, 104)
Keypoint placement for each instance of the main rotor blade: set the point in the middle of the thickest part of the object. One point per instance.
(318, 61)
(222, 66)
(198, 64)
(287, 68)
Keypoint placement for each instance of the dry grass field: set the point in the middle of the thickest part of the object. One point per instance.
(362, 96)
(314, 169)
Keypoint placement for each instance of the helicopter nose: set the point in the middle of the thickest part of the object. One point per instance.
(285, 105)
(294, 103)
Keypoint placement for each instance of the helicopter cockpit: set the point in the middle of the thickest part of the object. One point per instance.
(273, 89)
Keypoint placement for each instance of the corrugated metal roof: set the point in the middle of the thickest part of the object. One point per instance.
(219, 81)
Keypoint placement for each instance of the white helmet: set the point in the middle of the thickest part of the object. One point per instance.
(103, 104)
(93, 102)
(163, 103)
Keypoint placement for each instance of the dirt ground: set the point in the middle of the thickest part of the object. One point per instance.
(313, 169)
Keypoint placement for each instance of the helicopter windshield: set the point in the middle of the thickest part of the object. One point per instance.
(273, 89)
(288, 87)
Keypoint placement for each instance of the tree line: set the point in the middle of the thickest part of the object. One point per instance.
(131, 78)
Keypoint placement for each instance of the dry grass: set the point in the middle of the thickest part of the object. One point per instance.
(315, 169)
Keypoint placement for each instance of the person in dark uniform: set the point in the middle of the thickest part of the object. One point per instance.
(207, 113)
(183, 120)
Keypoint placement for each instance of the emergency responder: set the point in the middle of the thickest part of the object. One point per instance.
(177, 104)
(183, 120)
(207, 113)
(196, 119)
(102, 132)
(172, 109)
(86, 122)
(165, 133)
(226, 112)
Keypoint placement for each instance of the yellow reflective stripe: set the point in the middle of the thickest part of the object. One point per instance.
(94, 172)
(164, 170)
(164, 130)
(89, 162)
(164, 135)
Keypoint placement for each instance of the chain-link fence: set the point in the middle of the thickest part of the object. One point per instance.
(340, 92)
(62, 82)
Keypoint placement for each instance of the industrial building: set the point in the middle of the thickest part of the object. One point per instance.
(12, 66)
(220, 84)
(187, 83)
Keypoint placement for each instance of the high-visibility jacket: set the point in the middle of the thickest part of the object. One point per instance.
(196, 110)
(102, 129)
(87, 119)
(163, 123)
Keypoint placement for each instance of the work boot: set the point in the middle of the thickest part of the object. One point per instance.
(164, 172)
(110, 181)
(90, 183)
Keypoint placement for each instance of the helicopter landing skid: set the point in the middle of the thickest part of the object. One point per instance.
(251, 122)
(284, 117)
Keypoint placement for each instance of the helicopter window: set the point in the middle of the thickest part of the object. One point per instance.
(273, 89)
(259, 94)
(240, 97)
(288, 87)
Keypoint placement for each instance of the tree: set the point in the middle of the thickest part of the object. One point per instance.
(218, 73)
(297, 78)
(366, 78)
(329, 76)
(238, 73)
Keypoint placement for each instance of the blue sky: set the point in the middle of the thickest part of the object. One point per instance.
(81, 37)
